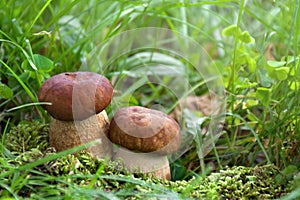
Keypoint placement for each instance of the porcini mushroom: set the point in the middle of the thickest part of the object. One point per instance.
(145, 137)
(77, 112)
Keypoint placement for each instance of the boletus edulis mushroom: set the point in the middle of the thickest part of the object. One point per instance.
(145, 138)
(78, 100)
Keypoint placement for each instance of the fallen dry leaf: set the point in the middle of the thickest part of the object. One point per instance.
(205, 104)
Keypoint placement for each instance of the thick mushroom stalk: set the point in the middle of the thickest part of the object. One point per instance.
(150, 163)
(64, 135)
(145, 138)
(78, 116)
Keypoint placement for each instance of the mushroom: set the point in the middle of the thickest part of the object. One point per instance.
(145, 138)
(78, 100)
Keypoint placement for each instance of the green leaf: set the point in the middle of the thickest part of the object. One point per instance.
(245, 83)
(264, 95)
(251, 64)
(282, 73)
(294, 64)
(277, 69)
(265, 79)
(273, 63)
(5, 91)
(290, 60)
(290, 170)
(26, 66)
(295, 85)
(286, 174)
(230, 31)
(246, 37)
(25, 76)
(42, 63)
(251, 102)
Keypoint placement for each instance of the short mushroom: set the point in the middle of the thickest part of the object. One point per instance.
(78, 100)
(145, 138)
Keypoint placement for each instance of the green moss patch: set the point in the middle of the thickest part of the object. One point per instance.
(80, 175)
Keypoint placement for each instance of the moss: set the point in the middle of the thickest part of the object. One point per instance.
(230, 183)
(27, 135)
(238, 182)
(84, 171)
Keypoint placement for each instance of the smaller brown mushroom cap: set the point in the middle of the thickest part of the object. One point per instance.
(76, 95)
(145, 130)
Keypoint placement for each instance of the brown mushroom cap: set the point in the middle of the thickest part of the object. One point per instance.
(76, 95)
(145, 130)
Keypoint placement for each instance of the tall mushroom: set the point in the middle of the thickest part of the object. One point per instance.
(77, 112)
(145, 137)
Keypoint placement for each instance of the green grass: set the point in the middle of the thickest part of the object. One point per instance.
(261, 119)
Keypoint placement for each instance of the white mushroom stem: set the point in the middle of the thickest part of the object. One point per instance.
(149, 163)
(67, 134)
